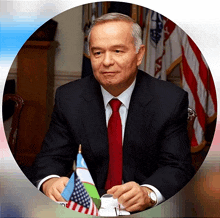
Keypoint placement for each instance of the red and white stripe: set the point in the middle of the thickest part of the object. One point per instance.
(176, 47)
(198, 82)
(92, 210)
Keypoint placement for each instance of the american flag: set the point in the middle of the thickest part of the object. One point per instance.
(80, 200)
(167, 46)
(198, 82)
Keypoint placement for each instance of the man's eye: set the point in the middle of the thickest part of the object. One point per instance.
(97, 53)
(118, 51)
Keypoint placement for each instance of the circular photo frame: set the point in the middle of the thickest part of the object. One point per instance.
(57, 54)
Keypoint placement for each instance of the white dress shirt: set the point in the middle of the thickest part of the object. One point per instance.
(125, 98)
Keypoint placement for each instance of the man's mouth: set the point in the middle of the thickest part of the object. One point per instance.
(109, 72)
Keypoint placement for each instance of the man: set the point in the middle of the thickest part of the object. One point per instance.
(156, 152)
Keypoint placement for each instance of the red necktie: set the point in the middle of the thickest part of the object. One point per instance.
(115, 146)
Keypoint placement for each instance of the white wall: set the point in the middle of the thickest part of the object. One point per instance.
(68, 59)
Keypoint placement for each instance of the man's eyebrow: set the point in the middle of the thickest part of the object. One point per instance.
(96, 48)
(113, 47)
(119, 46)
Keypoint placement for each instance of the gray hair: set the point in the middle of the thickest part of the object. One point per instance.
(136, 29)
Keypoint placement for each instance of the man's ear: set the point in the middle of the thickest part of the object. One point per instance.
(140, 54)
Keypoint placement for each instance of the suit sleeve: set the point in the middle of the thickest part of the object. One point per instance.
(174, 168)
(59, 148)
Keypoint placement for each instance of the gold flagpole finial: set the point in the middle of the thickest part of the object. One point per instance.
(80, 149)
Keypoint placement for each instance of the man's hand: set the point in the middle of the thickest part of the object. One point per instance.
(132, 196)
(53, 188)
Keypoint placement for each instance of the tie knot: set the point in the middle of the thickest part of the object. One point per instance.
(115, 104)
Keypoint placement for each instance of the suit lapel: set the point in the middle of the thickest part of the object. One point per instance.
(94, 117)
(140, 100)
(94, 122)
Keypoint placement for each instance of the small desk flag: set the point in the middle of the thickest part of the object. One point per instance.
(80, 192)
(85, 177)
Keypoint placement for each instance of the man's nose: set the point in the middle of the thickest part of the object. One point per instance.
(108, 59)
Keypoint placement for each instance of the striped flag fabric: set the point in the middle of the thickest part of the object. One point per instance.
(198, 82)
(167, 46)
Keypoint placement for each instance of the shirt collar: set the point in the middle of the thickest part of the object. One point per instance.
(124, 97)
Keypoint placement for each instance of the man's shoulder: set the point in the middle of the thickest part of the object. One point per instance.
(78, 87)
(75, 85)
(160, 87)
(162, 94)
(83, 89)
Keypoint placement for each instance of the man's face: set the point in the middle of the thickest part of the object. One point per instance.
(113, 55)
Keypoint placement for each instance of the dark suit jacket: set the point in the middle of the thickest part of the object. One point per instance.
(156, 148)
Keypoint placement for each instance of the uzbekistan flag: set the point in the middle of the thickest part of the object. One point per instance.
(86, 179)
